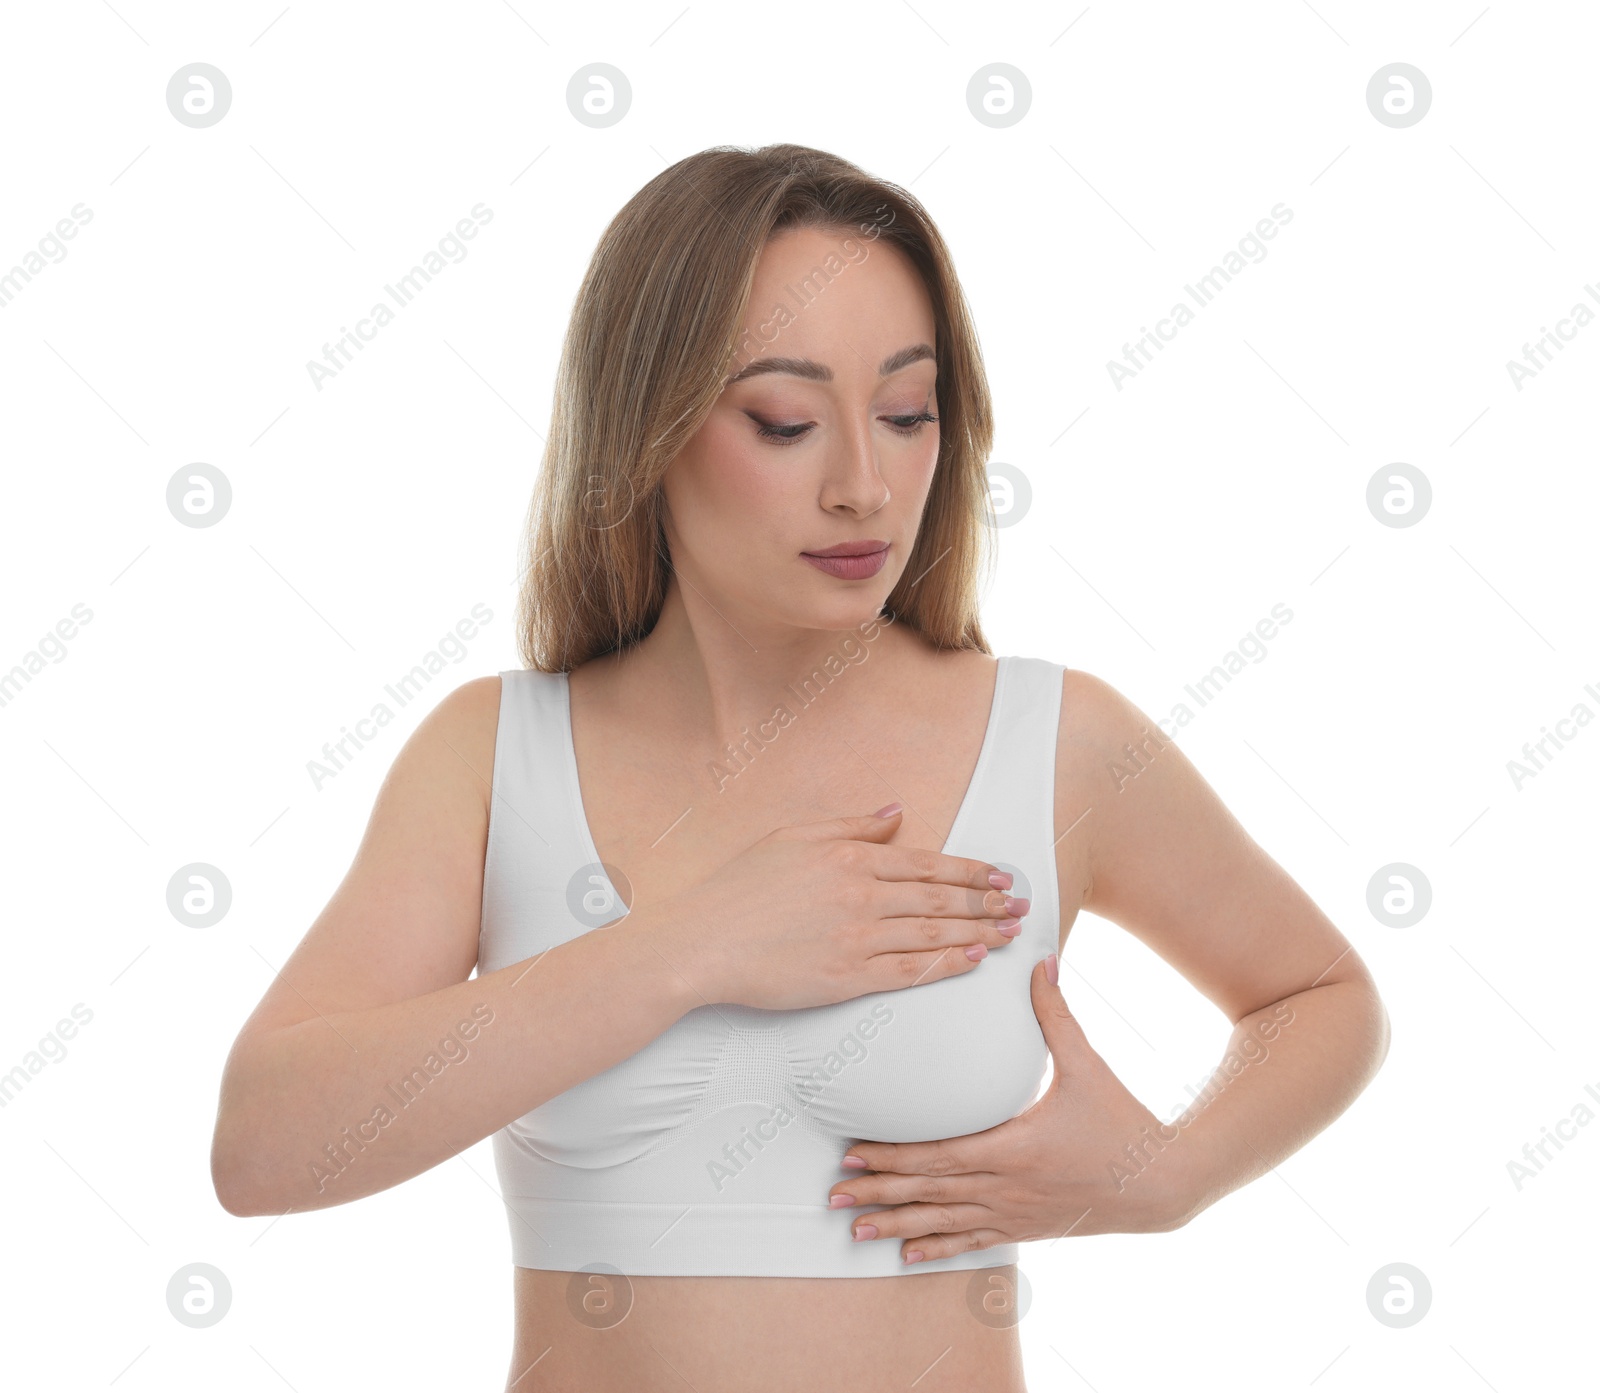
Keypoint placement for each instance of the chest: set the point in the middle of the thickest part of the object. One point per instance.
(663, 824)
(592, 815)
(938, 1059)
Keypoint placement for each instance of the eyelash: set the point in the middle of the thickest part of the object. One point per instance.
(919, 419)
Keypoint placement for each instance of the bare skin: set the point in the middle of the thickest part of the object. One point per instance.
(388, 967)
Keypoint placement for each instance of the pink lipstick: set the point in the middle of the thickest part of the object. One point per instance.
(850, 560)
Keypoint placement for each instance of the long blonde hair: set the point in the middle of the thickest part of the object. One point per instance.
(655, 326)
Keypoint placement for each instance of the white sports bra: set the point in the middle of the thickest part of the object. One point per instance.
(711, 1151)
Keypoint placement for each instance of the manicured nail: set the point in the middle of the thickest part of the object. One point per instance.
(841, 1201)
(889, 810)
(1001, 880)
(853, 1163)
(1009, 927)
(977, 952)
(866, 1231)
(1016, 906)
(1052, 971)
(913, 1256)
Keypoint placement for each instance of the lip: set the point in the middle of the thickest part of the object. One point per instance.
(849, 548)
(850, 560)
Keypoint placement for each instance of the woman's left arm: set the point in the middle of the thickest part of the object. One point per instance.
(1170, 864)
(1161, 856)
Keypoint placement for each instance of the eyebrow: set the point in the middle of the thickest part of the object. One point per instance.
(821, 372)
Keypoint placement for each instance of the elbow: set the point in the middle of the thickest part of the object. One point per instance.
(1373, 1018)
(243, 1174)
(244, 1190)
(1362, 1032)
(231, 1197)
(242, 1166)
(230, 1179)
(230, 1194)
(1383, 1031)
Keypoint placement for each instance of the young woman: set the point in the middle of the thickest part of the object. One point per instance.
(760, 1066)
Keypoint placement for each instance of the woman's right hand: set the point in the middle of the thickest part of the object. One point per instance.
(823, 911)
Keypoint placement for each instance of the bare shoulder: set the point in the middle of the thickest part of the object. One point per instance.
(1124, 777)
(1095, 715)
(467, 720)
(450, 755)
(1099, 729)
(404, 920)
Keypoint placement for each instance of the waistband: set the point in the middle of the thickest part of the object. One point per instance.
(642, 1239)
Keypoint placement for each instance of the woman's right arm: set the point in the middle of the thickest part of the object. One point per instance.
(374, 1054)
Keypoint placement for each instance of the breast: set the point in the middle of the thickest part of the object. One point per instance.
(937, 1060)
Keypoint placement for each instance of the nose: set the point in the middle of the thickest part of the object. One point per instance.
(852, 481)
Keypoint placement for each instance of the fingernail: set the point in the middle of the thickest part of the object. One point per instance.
(1052, 971)
(1016, 906)
(913, 1256)
(977, 952)
(853, 1163)
(865, 1231)
(889, 810)
(841, 1201)
(1009, 927)
(1001, 880)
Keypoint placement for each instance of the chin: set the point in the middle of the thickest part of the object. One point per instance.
(847, 612)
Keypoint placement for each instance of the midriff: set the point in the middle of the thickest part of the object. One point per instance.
(935, 1332)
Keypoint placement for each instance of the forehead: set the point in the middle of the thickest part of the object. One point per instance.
(823, 292)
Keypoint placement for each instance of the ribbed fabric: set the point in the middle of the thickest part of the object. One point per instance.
(711, 1150)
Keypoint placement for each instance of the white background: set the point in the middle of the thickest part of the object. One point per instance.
(1167, 519)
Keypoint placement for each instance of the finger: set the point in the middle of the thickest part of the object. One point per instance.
(969, 1187)
(918, 863)
(892, 972)
(907, 899)
(919, 891)
(1062, 1031)
(947, 1245)
(926, 931)
(912, 899)
(919, 1220)
(951, 1156)
(862, 829)
(902, 862)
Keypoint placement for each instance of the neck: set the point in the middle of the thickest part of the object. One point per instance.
(727, 667)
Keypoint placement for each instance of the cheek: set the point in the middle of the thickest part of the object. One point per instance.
(910, 471)
(733, 490)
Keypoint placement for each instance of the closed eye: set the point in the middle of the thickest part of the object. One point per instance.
(787, 434)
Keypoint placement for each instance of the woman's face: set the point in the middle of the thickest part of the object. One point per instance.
(823, 437)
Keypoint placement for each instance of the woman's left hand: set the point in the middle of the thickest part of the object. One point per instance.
(1087, 1157)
